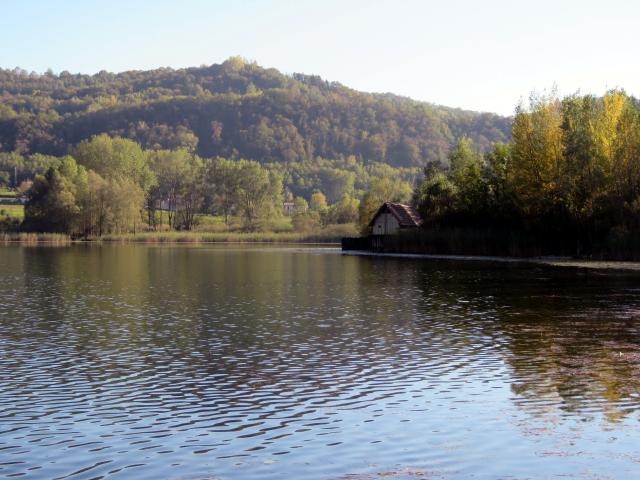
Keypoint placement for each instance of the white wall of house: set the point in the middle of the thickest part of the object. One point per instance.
(385, 224)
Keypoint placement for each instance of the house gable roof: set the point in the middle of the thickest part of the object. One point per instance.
(406, 215)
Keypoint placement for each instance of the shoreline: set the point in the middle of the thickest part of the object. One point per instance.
(335, 245)
(565, 262)
(189, 239)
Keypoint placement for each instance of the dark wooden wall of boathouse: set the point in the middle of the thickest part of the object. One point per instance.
(370, 243)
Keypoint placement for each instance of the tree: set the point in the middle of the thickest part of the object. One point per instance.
(381, 190)
(627, 152)
(6, 112)
(71, 199)
(224, 184)
(605, 128)
(344, 211)
(52, 204)
(497, 163)
(318, 202)
(435, 196)
(335, 183)
(259, 194)
(583, 179)
(116, 158)
(172, 169)
(192, 192)
(93, 205)
(124, 199)
(466, 172)
(535, 176)
(304, 219)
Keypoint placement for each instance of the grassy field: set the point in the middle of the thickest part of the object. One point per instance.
(13, 211)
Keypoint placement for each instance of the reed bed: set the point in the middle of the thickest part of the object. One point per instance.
(223, 237)
(27, 238)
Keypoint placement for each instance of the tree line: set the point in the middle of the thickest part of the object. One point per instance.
(571, 173)
(112, 185)
(570, 176)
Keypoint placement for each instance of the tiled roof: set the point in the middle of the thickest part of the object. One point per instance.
(405, 214)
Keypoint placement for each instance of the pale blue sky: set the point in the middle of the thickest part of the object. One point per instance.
(482, 55)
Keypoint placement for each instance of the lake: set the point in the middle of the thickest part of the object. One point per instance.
(231, 362)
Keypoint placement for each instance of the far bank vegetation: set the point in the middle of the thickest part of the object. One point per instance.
(568, 183)
(111, 186)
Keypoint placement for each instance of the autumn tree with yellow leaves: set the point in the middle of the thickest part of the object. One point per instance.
(571, 171)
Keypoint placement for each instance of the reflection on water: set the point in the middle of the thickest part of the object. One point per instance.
(218, 362)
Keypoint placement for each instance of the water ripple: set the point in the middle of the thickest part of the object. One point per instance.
(249, 363)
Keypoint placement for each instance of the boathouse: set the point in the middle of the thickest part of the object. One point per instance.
(392, 217)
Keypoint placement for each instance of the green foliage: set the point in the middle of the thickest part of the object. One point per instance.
(344, 211)
(318, 202)
(337, 177)
(300, 205)
(537, 155)
(466, 174)
(115, 158)
(13, 211)
(435, 196)
(259, 194)
(178, 186)
(53, 204)
(73, 200)
(572, 173)
(234, 110)
(382, 190)
(496, 167)
(14, 166)
(224, 179)
(304, 219)
(5, 179)
(126, 201)
(309, 217)
(10, 217)
(6, 112)
(174, 188)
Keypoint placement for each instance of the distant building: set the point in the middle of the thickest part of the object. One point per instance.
(288, 208)
(392, 217)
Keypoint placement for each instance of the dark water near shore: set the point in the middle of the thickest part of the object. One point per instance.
(271, 363)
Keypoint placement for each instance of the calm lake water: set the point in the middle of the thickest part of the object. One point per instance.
(224, 362)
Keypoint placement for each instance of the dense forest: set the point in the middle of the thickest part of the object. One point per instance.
(568, 183)
(236, 109)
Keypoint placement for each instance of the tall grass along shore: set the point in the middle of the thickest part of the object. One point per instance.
(56, 239)
(223, 237)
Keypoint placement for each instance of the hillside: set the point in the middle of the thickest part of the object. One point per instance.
(234, 109)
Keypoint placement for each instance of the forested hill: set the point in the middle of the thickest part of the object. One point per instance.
(235, 109)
